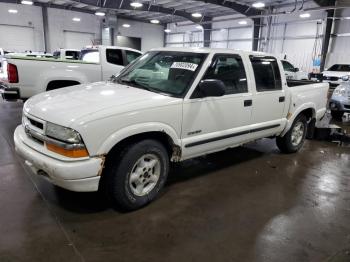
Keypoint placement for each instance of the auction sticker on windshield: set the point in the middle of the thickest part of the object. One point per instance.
(184, 65)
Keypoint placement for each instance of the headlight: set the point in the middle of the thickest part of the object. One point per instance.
(339, 91)
(62, 133)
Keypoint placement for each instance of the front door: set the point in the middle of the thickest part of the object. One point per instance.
(213, 123)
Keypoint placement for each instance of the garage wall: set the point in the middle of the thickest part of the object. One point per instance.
(21, 31)
(65, 33)
(152, 36)
(339, 51)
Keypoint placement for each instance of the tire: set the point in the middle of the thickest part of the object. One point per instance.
(337, 115)
(135, 177)
(293, 140)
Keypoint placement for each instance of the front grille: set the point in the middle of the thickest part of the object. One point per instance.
(36, 123)
(331, 78)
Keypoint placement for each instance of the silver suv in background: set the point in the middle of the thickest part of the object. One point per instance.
(340, 100)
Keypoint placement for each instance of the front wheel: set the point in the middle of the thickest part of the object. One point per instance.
(136, 175)
(294, 139)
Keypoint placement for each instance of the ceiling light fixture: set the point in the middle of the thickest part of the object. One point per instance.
(76, 19)
(259, 5)
(243, 22)
(199, 27)
(26, 2)
(136, 4)
(154, 21)
(197, 15)
(13, 11)
(167, 30)
(305, 15)
(126, 25)
(100, 13)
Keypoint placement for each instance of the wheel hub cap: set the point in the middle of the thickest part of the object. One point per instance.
(297, 133)
(144, 174)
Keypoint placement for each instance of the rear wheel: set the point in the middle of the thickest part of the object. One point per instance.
(337, 115)
(294, 139)
(135, 177)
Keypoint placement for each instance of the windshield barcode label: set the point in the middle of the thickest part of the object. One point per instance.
(184, 65)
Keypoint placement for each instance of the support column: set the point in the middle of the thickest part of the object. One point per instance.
(326, 38)
(206, 34)
(47, 46)
(256, 33)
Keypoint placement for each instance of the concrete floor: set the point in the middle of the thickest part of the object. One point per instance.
(246, 204)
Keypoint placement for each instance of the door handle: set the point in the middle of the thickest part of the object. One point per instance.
(248, 102)
(281, 99)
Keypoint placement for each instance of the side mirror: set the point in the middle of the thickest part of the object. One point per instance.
(296, 69)
(212, 87)
(345, 78)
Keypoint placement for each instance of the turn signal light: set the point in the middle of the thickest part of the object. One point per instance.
(73, 153)
(12, 73)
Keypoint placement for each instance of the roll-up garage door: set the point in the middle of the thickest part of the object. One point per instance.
(17, 38)
(77, 40)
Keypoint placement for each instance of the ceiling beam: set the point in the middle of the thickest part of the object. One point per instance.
(147, 7)
(238, 7)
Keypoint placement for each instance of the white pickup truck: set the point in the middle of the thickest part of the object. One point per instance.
(30, 76)
(292, 72)
(170, 105)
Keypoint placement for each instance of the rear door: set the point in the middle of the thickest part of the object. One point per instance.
(269, 98)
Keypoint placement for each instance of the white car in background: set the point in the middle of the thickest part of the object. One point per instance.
(340, 100)
(292, 72)
(27, 76)
(334, 74)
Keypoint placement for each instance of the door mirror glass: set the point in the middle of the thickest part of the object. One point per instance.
(296, 69)
(212, 87)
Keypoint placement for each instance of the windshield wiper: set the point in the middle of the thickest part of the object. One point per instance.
(134, 83)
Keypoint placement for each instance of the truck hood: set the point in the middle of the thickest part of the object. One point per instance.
(335, 73)
(67, 106)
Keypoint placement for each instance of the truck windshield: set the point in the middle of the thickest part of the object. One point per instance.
(339, 68)
(163, 71)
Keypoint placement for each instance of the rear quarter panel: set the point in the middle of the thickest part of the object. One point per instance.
(303, 97)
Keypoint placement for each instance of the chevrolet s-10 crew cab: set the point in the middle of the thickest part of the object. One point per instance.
(170, 105)
(28, 76)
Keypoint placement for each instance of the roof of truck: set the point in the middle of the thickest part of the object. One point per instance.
(209, 50)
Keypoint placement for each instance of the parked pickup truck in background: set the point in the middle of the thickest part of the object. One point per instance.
(334, 74)
(31, 76)
(72, 54)
(293, 73)
(172, 104)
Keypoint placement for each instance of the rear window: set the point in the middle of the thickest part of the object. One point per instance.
(74, 55)
(339, 68)
(267, 73)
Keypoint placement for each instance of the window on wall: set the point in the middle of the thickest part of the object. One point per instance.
(131, 56)
(267, 73)
(230, 70)
(114, 56)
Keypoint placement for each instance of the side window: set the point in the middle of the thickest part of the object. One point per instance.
(287, 66)
(131, 56)
(114, 56)
(267, 73)
(230, 70)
